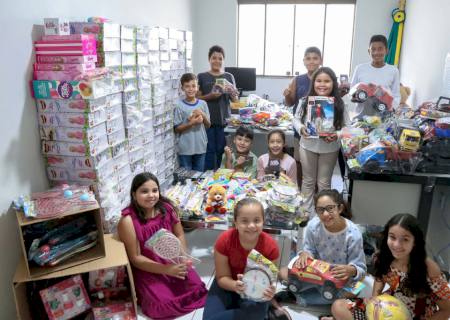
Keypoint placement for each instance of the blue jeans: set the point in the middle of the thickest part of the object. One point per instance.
(192, 162)
(214, 149)
(226, 305)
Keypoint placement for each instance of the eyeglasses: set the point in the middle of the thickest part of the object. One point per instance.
(328, 208)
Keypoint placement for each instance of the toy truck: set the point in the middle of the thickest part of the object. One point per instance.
(381, 97)
(316, 274)
(409, 140)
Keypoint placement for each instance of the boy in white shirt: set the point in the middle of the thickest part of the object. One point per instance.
(377, 72)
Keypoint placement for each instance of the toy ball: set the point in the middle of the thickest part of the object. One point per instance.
(68, 194)
(386, 307)
(84, 197)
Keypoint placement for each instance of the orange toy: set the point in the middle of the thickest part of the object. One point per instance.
(216, 199)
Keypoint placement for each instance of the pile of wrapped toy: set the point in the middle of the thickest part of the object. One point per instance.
(212, 198)
(406, 142)
(262, 114)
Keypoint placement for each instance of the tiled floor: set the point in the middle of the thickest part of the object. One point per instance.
(201, 242)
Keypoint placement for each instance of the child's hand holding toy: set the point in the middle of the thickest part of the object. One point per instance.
(239, 285)
(343, 271)
(303, 259)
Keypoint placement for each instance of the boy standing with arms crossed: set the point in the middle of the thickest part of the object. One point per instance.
(191, 118)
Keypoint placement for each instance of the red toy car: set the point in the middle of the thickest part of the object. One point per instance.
(316, 274)
(382, 99)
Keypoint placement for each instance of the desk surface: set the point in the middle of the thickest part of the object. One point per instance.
(287, 132)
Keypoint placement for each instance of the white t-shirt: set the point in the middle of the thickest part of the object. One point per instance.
(386, 76)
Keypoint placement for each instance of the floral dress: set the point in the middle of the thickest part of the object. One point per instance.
(162, 296)
(420, 306)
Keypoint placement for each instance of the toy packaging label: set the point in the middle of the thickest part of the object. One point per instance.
(65, 299)
(56, 26)
(320, 116)
(77, 106)
(104, 29)
(74, 149)
(66, 59)
(116, 137)
(71, 162)
(53, 89)
(51, 133)
(74, 67)
(73, 120)
(88, 175)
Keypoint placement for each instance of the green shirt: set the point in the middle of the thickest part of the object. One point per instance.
(249, 166)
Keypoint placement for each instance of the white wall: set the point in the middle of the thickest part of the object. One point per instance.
(425, 45)
(215, 21)
(21, 165)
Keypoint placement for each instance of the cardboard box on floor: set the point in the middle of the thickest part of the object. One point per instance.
(96, 252)
(115, 256)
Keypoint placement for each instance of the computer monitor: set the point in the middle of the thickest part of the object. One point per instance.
(245, 78)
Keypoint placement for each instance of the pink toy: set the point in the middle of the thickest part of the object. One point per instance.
(122, 311)
(80, 67)
(66, 299)
(66, 59)
(69, 37)
(107, 278)
(82, 47)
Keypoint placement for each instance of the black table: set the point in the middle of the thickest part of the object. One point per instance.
(428, 181)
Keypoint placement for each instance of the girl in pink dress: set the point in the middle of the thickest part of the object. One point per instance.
(164, 290)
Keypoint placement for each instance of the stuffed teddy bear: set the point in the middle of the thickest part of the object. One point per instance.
(216, 199)
(404, 94)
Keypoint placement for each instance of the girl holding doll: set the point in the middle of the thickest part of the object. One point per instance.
(318, 155)
(165, 290)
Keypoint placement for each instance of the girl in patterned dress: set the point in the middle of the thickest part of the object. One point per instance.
(413, 278)
(165, 290)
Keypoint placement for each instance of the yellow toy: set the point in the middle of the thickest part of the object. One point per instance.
(386, 307)
(216, 199)
(409, 140)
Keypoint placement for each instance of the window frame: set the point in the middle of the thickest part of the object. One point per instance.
(293, 2)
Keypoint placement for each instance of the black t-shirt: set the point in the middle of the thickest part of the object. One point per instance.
(219, 109)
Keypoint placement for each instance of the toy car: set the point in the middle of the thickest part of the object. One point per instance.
(409, 140)
(382, 98)
(377, 158)
(316, 274)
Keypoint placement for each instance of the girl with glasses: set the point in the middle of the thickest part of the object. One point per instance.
(332, 237)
